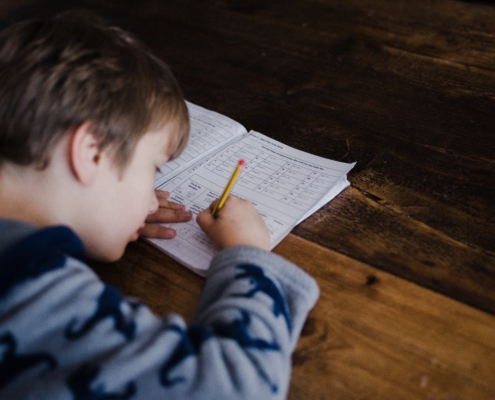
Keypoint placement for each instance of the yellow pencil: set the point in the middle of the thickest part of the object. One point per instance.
(228, 188)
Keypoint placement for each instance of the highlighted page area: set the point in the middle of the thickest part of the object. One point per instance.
(285, 185)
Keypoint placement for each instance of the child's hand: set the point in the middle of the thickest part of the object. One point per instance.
(237, 223)
(168, 211)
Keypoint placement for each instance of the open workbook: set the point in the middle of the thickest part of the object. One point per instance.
(285, 185)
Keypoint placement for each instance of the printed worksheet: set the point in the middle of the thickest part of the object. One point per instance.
(285, 185)
(210, 131)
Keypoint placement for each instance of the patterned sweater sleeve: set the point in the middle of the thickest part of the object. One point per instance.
(255, 303)
(66, 335)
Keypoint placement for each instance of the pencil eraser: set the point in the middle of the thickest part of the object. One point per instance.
(242, 163)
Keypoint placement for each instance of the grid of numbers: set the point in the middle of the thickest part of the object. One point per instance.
(273, 176)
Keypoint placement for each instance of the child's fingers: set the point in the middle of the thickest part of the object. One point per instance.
(157, 231)
(237, 223)
(162, 194)
(213, 204)
(166, 215)
(205, 219)
(163, 201)
(168, 212)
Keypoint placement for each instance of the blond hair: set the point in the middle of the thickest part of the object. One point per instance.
(57, 73)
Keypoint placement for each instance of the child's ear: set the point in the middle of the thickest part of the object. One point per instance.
(85, 154)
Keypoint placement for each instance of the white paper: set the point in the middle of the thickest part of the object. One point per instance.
(285, 185)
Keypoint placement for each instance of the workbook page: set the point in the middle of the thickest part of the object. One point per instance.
(283, 183)
(210, 131)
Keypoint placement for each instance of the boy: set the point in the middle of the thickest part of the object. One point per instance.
(86, 116)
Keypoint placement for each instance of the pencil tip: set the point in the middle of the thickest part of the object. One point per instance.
(242, 163)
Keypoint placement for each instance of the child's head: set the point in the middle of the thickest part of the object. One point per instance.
(58, 73)
(69, 82)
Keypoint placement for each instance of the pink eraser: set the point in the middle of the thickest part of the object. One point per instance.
(242, 163)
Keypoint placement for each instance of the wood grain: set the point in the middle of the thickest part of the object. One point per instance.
(373, 335)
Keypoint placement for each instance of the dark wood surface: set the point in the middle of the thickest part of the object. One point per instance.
(405, 257)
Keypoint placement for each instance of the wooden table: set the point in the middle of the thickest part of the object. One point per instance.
(405, 257)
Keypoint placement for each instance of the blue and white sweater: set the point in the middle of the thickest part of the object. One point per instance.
(64, 334)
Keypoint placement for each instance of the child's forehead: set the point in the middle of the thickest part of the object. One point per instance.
(161, 135)
(177, 132)
(164, 138)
